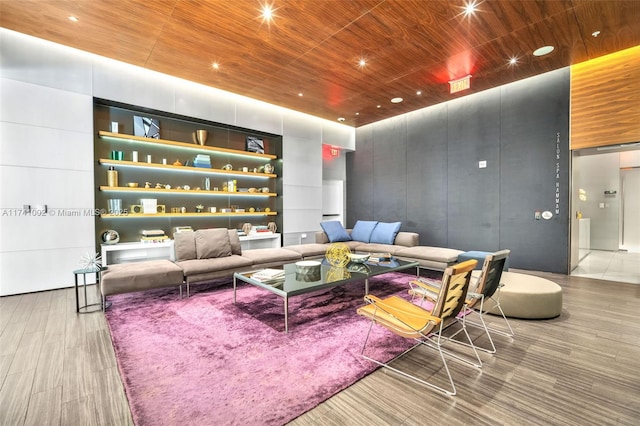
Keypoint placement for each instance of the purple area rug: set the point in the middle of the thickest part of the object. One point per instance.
(205, 360)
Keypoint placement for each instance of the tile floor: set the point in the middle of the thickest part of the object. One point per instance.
(609, 265)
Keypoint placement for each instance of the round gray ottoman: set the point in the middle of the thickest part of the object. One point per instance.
(527, 296)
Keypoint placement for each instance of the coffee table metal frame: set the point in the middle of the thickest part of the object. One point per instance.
(291, 286)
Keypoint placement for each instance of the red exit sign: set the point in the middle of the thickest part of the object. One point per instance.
(460, 84)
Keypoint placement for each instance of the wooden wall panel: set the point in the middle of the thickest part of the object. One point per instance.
(605, 100)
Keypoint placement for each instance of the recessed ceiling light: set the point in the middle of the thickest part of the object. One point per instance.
(595, 33)
(513, 61)
(470, 8)
(544, 50)
(341, 119)
(362, 63)
(215, 66)
(300, 94)
(267, 12)
(73, 18)
(396, 100)
(357, 113)
(419, 92)
(378, 106)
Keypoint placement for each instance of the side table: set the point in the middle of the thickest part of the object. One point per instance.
(84, 271)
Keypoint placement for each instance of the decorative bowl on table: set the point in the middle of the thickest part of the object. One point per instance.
(358, 258)
(308, 271)
(132, 184)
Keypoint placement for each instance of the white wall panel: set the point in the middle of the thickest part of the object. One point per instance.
(302, 197)
(37, 270)
(302, 220)
(133, 85)
(33, 146)
(339, 135)
(32, 60)
(199, 101)
(302, 162)
(68, 196)
(258, 116)
(302, 126)
(34, 105)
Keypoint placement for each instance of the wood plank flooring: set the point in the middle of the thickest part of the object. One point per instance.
(58, 368)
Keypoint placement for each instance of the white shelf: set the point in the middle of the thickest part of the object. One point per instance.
(136, 252)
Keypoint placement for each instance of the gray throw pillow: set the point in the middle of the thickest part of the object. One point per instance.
(184, 245)
(212, 243)
(234, 240)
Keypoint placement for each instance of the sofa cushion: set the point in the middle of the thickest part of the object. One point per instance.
(437, 254)
(211, 243)
(139, 276)
(309, 250)
(204, 266)
(234, 240)
(385, 233)
(271, 255)
(184, 244)
(335, 231)
(362, 230)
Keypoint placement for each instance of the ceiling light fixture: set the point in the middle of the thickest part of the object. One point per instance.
(300, 94)
(513, 61)
(419, 92)
(396, 100)
(267, 12)
(378, 106)
(215, 66)
(362, 63)
(595, 33)
(341, 119)
(470, 8)
(73, 18)
(544, 50)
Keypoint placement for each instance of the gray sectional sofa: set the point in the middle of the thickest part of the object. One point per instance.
(207, 254)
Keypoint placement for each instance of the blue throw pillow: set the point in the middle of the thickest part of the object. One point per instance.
(385, 233)
(362, 230)
(335, 231)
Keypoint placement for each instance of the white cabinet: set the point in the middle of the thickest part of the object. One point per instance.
(135, 252)
(260, 241)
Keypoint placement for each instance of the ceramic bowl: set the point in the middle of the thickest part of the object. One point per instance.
(359, 258)
(132, 184)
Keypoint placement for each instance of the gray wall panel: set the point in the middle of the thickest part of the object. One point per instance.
(451, 202)
(534, 113)
(390, 171)
(360, 187)
(474, 135)
(427, 175)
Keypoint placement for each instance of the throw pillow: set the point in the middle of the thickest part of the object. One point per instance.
(335, 231)
(385, 233)
(362, 230)
(184, 245)
(212, 243)
(234, 240)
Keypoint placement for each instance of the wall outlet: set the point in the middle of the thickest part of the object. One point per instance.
(482, 164)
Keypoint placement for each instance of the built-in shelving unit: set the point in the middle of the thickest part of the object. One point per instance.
(164, 171)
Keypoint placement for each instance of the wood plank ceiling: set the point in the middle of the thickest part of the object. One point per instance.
(313, 47)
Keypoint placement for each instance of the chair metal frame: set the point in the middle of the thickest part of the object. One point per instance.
(425, 327)
(487, 286)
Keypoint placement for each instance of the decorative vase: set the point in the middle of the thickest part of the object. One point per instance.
(246, 228)
(200, 137)
(271, 226)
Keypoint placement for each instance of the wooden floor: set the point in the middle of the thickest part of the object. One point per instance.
(58, 368)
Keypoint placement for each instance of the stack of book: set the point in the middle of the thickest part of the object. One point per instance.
(269, 276)
(202, 160)
(261, 229)
(153, 236)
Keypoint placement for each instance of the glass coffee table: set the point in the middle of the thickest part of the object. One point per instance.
(295, 283)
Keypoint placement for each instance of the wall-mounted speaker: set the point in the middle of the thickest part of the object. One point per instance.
(161, 208)
(136, 208)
